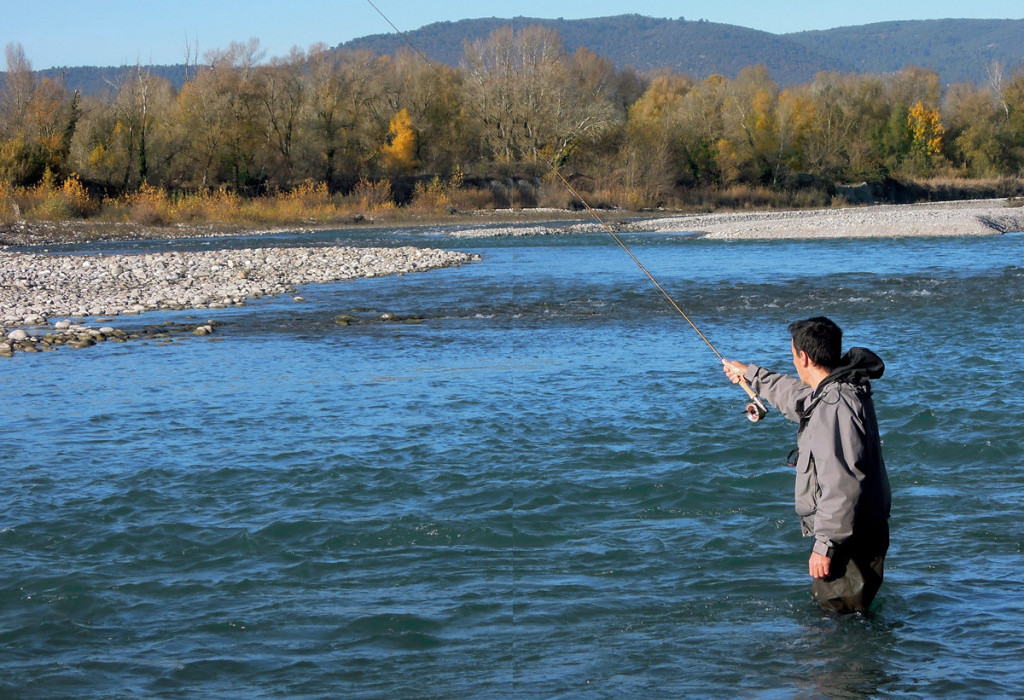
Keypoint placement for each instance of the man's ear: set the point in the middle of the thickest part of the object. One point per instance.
(803, 358)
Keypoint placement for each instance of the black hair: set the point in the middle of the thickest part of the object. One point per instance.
(820, 338)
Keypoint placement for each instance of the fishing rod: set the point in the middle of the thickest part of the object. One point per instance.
(755, 408)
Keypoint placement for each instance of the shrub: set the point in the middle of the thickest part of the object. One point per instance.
(149, 206)
(372, 197)
(10, 210)
(52, 202)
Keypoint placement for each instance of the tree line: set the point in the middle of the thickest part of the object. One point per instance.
(518, 105)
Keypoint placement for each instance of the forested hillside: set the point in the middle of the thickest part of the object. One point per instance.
(697, 48)
(957, 49)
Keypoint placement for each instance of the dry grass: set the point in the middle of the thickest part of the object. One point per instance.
(312, 202)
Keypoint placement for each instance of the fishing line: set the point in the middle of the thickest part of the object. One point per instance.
(755, 410)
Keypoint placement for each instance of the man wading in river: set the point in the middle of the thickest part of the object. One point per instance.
(842, 489)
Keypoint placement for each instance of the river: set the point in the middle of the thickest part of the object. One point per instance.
(544, 487)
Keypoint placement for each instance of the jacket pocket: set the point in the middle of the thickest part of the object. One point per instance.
(806, 483)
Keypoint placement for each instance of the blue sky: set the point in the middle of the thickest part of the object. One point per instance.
(116, 32)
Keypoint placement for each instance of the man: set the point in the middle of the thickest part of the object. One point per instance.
(842, 489)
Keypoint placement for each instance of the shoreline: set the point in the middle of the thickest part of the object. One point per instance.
(41, 296)
(40, 293)
(956, 218)
(949, 218)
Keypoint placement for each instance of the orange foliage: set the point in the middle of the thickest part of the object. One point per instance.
(399, 152)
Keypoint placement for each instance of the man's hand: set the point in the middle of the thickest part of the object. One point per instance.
(734, 370)
(819, 565)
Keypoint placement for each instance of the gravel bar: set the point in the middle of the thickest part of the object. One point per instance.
(35, 288)
(960, 218)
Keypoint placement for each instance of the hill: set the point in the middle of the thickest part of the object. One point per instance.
(957, 49)
(698, 48)
(91, 80)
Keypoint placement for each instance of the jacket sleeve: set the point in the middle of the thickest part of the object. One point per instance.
(783, 391)
(838, 449)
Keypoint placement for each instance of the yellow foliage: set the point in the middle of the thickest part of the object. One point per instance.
(728, 159)
(399, 152)
(98, 157)
(662, 100)
(438, 196)
(56, 202)
(75, 197)
(926, 129)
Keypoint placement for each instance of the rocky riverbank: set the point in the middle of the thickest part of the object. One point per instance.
(39, 293)
(962, 218)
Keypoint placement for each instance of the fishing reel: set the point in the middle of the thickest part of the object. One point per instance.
(756, 410)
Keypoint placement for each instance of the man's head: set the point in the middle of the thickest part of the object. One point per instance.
(819, 340)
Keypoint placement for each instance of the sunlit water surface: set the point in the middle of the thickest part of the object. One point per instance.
(544, 489)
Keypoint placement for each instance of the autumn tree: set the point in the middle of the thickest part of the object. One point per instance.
(448, 135)
(926, 132)
(122, 142)
(702, 129)
(342, 116)
(37, 123)
(538, 104)
(657, 157)
(399, 149)
(751, 129)
(827, 144)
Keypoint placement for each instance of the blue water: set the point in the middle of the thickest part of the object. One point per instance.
(544, 489)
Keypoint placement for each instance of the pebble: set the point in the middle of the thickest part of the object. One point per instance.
(957, 218)
(35, 287)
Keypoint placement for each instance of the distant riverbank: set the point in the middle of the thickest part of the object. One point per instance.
(955, 218)
(959, 218)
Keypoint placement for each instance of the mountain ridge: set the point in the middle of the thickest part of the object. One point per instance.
(957, 49)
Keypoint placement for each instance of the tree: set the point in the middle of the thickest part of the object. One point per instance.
(117, 139)
(656, 146)
(751, 126)
(37, 122)
(281, 90)
(18, 88)
(449, 136)
(342, 114)
(221, 126)
(702, 128)
(827, 141)
(399, 150)
(974, 117)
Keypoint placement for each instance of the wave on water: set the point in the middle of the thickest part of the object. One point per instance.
(542, 487)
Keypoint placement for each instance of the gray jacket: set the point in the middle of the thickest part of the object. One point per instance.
(841, 480)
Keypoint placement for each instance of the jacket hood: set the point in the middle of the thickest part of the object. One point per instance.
(857, 366)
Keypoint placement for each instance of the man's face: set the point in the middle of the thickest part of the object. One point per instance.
(800, 362)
